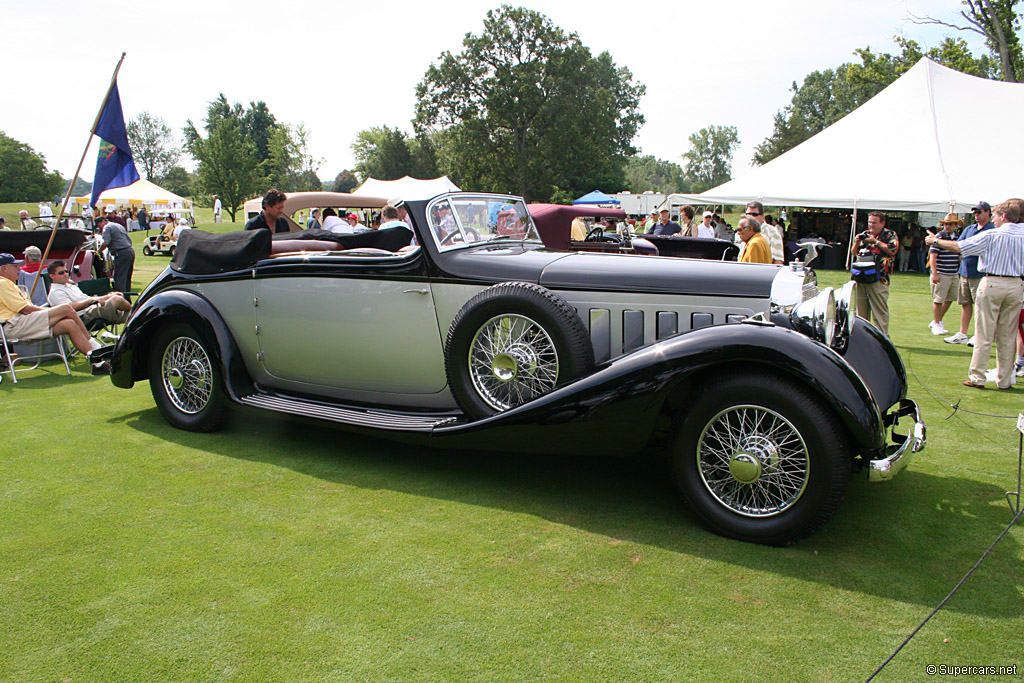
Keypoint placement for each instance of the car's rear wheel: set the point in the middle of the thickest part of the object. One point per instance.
(759, 459)
(185, 381)
(171, 250)
(512, 343)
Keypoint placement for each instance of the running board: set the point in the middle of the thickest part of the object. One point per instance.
(359, 417)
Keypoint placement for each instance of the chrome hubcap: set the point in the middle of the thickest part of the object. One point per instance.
(187, 375)
(512, 360)
(753, 461)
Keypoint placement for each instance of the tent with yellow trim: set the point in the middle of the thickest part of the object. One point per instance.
(139, 193)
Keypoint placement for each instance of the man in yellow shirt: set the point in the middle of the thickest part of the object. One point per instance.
(22, 320)
(755, 246)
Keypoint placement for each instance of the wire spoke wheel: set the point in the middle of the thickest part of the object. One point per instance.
(187, 375)
(512, 360)
(753, 461)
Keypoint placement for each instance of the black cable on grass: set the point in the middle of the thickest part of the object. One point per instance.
(946, 599)
(955, 406)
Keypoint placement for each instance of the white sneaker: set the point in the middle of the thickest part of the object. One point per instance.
(990, 375)
(958, 338)
(939, 329)
(970, 342)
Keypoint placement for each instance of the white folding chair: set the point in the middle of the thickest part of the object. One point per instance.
(12, 358)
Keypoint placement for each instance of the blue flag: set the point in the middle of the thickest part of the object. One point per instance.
(114, 165)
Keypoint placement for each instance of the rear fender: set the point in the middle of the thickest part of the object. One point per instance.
(129, 362)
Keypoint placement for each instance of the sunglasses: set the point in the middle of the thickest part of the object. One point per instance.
(61, 272)
(753, 213)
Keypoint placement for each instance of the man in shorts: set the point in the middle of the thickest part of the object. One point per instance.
(945, 280)
(22, 320)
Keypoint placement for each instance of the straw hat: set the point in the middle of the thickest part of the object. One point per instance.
(952, 219)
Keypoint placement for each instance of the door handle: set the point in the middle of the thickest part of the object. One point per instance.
(416, 291)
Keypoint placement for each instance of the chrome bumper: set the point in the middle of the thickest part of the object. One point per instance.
(899, 453)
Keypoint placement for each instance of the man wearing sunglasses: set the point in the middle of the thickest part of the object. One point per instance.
(970, 276)
(112, 307)
(770, 232)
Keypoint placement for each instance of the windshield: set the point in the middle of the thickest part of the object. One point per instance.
(461, 220)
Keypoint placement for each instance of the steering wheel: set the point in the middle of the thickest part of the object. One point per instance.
(596, 234)
(450, 237)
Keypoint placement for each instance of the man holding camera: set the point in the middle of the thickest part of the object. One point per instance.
(882, 244)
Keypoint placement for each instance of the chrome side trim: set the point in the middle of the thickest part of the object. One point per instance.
(352, 416)
(888, 467)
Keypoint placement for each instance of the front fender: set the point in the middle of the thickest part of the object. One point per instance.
(615, 409)
(129, 361)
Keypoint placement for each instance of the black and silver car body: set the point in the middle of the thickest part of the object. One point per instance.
(766, 393)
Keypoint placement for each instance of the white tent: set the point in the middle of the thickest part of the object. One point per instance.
(138, 193)
(406, 188)
(933, 139)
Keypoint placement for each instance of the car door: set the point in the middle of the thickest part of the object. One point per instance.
(348, 331)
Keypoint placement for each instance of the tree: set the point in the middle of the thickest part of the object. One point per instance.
(999, 23)
(228, 163)
(346, 181)
(645, 173)
(179, 181)
(382, 153)
(709, 159)
(829, 95)
(154, 145)
(81, 187)
(23, 174)
(528, 109)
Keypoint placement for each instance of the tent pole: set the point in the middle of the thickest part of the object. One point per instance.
(74, 179)
(853, 233)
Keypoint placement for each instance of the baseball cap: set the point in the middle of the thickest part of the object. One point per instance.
(109, 207)
(352, 215)
(982, 206)
(708, 214)
(9, 260)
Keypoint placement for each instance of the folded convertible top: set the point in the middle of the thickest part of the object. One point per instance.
(205, 253)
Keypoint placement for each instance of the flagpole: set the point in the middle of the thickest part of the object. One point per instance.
(71, 186)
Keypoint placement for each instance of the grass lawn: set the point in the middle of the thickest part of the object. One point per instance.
(282, 549)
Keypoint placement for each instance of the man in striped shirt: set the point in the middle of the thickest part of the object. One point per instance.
(1001, 258)
(944, 266)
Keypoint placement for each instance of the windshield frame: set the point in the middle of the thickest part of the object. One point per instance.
(466, 234)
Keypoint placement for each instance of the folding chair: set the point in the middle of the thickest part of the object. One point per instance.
(11, 358)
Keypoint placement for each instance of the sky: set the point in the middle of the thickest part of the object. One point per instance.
(340, 68)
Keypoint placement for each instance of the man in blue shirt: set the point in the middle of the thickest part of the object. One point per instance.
(664, 226)
(970, 277)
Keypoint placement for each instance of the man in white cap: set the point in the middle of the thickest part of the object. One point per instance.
(705, 229)
(26, 222)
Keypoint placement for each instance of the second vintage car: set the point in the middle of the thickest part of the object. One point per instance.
(462, 330)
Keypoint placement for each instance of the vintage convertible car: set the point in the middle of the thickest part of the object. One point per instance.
(465, 331)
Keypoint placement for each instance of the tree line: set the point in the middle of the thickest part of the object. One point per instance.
(525, 108)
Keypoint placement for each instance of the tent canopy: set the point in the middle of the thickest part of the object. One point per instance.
(141, 192)
(930, 141)
(406, 188)
(596, 197)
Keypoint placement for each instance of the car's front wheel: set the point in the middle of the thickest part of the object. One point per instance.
(147, 251)
(512, 343)
(185, 381)
(758, 458)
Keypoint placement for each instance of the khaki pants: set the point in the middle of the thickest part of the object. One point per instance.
(996, 317)
(873, 304)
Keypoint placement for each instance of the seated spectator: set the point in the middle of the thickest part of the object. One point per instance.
(390, 218)
(23, 320)
(112, 307)
(353, 221)
(168, 231)
(755, 246)
(182, 226)
(3, 224)
(27, 275)
(314, 220)
(334, 224)
(26, 222)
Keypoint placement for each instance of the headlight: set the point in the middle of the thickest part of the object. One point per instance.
(846, 314)
(816, 317)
